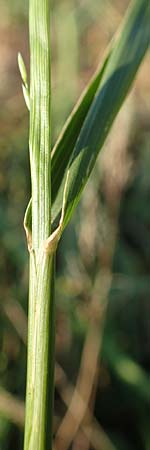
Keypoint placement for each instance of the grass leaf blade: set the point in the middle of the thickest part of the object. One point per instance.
(116, 83)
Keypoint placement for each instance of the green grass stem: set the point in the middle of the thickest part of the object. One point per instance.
(40, 364)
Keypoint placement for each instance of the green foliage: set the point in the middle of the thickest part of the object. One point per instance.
(117, 79)
(83, 136)
(126, 258)
(86, 130)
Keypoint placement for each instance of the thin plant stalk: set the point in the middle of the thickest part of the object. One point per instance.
(40, 361)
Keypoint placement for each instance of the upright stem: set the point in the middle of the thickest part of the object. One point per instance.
(40, 123)
(40, 370)
(40, 364)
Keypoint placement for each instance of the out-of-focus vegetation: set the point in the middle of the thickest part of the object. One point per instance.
(103, 265)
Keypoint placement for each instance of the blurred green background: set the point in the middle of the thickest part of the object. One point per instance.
(103, 262)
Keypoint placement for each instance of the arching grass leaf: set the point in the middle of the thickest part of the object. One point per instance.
(116, 83)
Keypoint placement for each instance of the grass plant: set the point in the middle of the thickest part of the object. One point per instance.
(58, 177)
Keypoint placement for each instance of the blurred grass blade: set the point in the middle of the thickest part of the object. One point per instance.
(128, 371)
(118, 77)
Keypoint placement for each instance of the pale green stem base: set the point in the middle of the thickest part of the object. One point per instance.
(41, 350)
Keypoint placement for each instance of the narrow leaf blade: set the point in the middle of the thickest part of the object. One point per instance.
(117, 80)
(67, 139)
